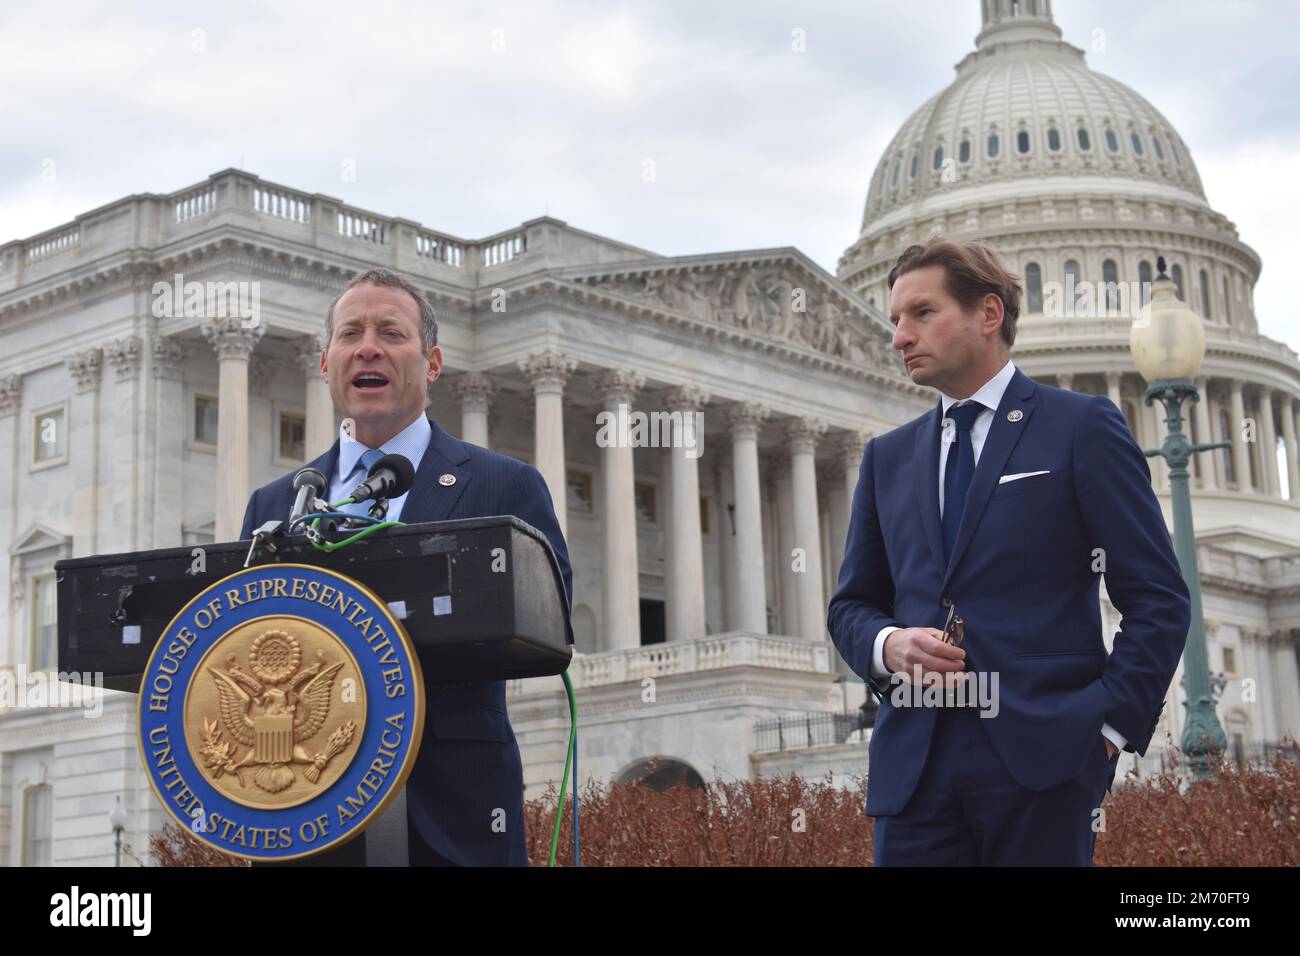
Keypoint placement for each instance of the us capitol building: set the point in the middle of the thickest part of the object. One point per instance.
(700, 583)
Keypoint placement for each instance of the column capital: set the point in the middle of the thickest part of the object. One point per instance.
(307, 354)
(231, 338)
(1113, 378)
(475, 390)
(124, 355)
(746, 418)
(168, 358)
(11, 394)
(803, 434)
(686, 398)
(85, 367)
(618, 386)
(849, 445)
(548, 370)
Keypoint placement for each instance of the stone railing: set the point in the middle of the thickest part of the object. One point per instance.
(239, 199)
(733, 649)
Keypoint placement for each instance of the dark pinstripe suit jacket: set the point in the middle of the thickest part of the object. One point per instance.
(468, 771)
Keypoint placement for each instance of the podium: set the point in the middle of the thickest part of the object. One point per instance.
(481, 599)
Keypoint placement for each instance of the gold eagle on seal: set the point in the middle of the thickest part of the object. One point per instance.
(272, 711)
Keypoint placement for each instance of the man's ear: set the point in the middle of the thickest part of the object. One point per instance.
(994, 313)
(435, 364)
(324, 369)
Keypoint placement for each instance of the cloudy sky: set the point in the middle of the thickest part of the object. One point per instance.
(471, 118)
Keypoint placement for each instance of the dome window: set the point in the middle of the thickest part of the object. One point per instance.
(993, 145)
(1033, 288)
(1110, 281)
(1159, 150)
(1112, 141)
(1136, 140)
(1144, 280)
(1022, 142)
(898, 165)
(1054, 139)
(1176, 273)
(1227, 313)
(1071, 276)
(938, 156)
(963, 151)
(1205, 295)
(1173, 148)
(1085, 141)
(916, 163)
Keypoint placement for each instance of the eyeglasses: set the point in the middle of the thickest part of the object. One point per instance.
(955, 628)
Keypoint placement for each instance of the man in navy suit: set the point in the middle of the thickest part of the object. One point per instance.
(464, 796)
(1003, 506)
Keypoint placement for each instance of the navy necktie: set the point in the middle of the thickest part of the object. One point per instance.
(359, 473)
(958, 470)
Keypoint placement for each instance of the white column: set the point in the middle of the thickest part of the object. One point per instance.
(622, 590)
(1289, 407)
(475, 391)
(722, 530)
(548, 371)
(1236, 422)
(684, 574)
(751, 601)
(1065, 380)
(1155, 415)
(1204, 435)
(234, 344)
(318, 405)
(171, 420)
(848, 448)
(1221, 454)
(803, 434)
(82, 444)
(1113, 389)
(1269, 483)
(782, 491)
(124, 494)
(12, 466)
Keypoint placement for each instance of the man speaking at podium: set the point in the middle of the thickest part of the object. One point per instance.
(994, 517)
(382, 355)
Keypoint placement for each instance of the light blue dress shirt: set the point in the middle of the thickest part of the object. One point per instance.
(411, 443)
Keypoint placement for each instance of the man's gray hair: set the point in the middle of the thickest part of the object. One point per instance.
(387, 277)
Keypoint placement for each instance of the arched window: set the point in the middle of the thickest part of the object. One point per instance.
(1015, 8)
(898, 166)
(37, 826)
(1112, 141)
(1022, 142)
(938, 156)
(1110, 278)
(1176, 273)
(1085, 141)
(993, 145)
(1033, 289)
(963, 151)
(1155, 145)
(1136, 140)
(1225, 434)
(1227, 307)
(916, 163)
(1071, 276)
(1205, 294)
(1173, 148)
(1054, 139)
(1144, 277)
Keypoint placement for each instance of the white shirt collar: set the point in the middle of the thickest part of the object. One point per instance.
(410, 443)
(990, 393)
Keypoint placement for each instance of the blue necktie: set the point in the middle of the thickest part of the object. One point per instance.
(358, 475)
(958, 470)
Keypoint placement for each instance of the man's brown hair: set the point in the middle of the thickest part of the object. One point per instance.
(972, 270)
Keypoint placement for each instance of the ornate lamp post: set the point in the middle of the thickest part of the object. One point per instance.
(1168, 347)
(117, 819)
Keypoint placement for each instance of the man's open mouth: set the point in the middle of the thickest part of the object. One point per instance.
(369, 380)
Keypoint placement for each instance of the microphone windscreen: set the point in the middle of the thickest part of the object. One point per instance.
(312, 477)
(402, 468)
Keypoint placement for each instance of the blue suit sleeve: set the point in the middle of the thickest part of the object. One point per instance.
(530, 499)
(1143, 579)
(864, 599)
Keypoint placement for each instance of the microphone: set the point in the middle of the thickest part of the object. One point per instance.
(391, 477)
(309, 484)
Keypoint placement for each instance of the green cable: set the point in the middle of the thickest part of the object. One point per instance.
(568, 762)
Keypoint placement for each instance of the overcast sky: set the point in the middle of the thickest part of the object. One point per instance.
(473, 117)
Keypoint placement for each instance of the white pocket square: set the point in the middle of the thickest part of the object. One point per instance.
(1024, 474)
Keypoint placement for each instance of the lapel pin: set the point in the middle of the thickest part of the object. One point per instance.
(447, 480)
(1015, 415)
